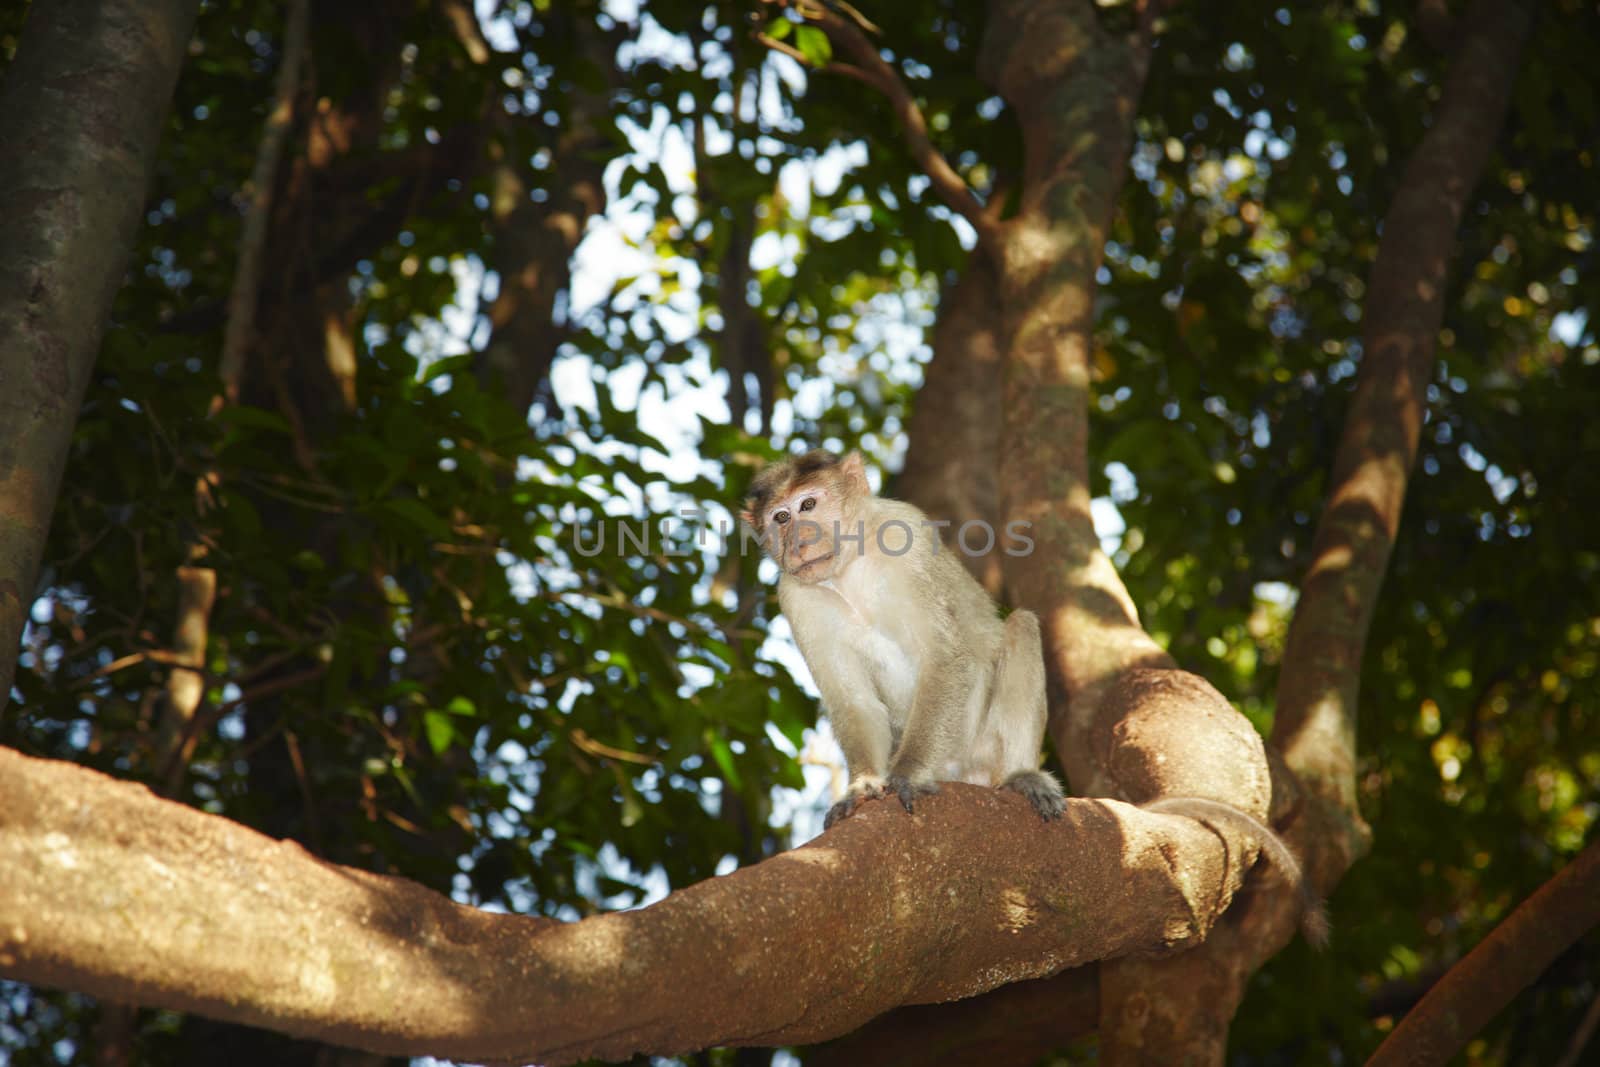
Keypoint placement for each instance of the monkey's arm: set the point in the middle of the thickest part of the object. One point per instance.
(938, 726)
(860, 725)
(860, 719)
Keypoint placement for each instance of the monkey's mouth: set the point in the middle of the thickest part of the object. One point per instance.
(808, 564)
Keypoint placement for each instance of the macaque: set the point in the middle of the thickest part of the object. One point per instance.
(921, 679)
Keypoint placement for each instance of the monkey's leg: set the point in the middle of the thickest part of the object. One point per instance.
(1017, 716)
(862, 730)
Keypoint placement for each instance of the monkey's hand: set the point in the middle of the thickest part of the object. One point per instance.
(865, 787)
(908, 789)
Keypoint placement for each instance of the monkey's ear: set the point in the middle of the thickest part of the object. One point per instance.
(854, 469)
(748, 517)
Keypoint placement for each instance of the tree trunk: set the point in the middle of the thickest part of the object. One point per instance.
(953, 457)
(80, 119)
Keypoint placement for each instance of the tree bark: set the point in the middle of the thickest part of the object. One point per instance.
(1126, 722)
(1520, 948)
(533, 243)
(1074, 88)
(109, 890)
(953, 458)
(80, 117)
(1021, 1023)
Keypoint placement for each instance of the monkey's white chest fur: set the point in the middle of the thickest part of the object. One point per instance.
(886, 648)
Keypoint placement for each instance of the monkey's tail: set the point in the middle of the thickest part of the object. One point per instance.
(1314, 926)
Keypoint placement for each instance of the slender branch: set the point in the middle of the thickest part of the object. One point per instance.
(1317, 691)
(178, 758)
(1502, 965)
(152, 655)
(871, 69)
(252, 244)
(599, 748)
(768, 41)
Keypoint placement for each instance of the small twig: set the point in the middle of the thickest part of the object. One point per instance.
(246, 281)
(1581, 1036)
(153, 655)
(172, 770)
(870, 68)
(768, 41)
(600, 748)
(313, 824)
(621, 603)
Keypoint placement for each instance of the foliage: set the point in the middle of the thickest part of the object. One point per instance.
(412, 665)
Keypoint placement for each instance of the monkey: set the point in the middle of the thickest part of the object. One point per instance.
(921, 679)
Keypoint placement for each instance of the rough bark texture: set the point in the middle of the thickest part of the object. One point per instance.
(1074, 88)
(109, 890)
(1315, 727)
(80, 118)
(1020, 1023)
(1519, 949)
(1126, 722)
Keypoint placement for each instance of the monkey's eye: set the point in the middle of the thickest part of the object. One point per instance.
(780, 517)
(808, 503)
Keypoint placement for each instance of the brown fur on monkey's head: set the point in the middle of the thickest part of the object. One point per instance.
(779, 479)
(804, 503)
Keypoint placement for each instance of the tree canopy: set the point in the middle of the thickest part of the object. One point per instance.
(398, 517)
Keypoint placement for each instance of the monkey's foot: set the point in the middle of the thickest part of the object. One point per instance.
(908, 789)
(840, 811)
(1042, 791)
(866, 787)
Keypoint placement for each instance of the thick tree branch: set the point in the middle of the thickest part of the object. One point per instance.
(1317, 692)
(1474, 990)
(1437, 24)
(109, 890)
(1074, 88)
(80, 117)
(1131, 725)
(1021, 1023)
(871, 69)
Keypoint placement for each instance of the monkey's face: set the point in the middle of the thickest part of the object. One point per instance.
(807, 531)
(807, 513)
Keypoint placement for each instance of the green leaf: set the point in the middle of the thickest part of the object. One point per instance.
(417, 515)
(814, 45)
(439, 729)
(723, 755)
(447, 365)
